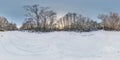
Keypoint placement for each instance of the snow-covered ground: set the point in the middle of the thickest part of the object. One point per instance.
(97, 45)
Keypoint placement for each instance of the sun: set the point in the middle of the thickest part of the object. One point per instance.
(59, 26)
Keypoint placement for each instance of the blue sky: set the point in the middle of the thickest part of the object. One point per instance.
(13, 9)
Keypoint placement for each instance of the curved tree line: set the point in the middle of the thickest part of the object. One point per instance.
(45, 19)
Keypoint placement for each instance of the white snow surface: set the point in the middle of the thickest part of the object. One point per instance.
(96, 45)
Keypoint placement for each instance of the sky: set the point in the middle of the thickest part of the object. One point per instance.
(13, 9)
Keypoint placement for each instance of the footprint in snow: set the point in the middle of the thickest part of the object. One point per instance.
(88, 35)
(1, 35)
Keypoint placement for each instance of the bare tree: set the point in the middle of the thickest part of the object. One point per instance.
(111, 21)
(5, 25)
(40, 14)
(29, 24)
(11, 26)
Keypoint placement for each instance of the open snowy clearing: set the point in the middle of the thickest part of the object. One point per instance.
(97, 45)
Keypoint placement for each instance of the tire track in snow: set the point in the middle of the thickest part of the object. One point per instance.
(13, 44)
(63, 45)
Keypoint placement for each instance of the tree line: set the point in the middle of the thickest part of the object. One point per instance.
(45, 19)
(5, 25)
